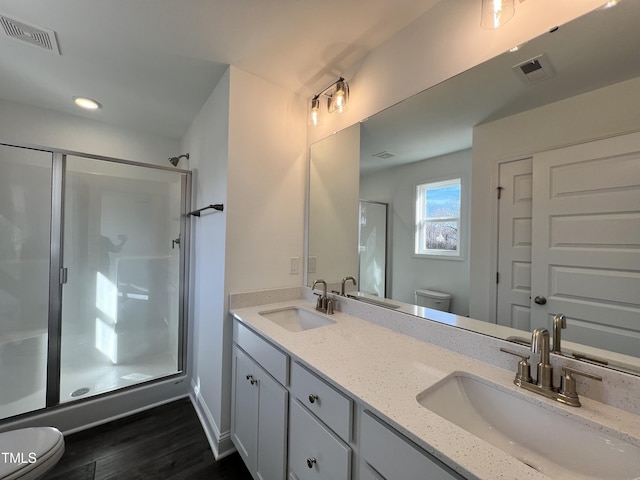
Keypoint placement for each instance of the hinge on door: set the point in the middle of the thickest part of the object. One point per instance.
(63, 276)
(497, 277)
(500, 192)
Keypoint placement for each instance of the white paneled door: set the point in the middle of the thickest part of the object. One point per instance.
(586, 241)
(585, 244)
(514, 264)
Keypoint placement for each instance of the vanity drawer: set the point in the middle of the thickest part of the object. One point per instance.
(315, 453)
(327, 403)
(269, 357)
(394, 456)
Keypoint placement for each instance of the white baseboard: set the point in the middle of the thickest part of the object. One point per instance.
(220, 442)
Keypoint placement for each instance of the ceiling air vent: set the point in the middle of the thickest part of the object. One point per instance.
(31, 34)
(534, 70)
(384, 155)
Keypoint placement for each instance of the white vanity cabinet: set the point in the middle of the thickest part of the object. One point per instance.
(320, 419)
(288, 422)
(259, 404)
(387, 455)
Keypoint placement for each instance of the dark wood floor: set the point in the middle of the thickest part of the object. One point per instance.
(165, 443)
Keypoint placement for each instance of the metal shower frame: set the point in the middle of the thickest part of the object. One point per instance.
(57, 271)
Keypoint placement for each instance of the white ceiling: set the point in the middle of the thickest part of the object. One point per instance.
(595, 50)
(153, 63)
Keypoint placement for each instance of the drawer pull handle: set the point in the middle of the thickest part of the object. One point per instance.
(251, 379)
(311, 462)
(313, 398)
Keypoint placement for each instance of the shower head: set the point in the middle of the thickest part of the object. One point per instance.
(174, 160)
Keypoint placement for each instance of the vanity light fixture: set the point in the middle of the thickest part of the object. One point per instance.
(496, 13)
(87, 103)
(337, 99)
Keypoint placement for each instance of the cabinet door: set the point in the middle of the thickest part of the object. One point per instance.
(315, 453)
(272, 428)
(368, 473)
(393, 456)
(244, 416)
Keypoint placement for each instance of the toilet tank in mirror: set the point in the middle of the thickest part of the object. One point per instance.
(550, 190)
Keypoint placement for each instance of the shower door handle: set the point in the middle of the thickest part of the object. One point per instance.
(63, 276)
(175, 242)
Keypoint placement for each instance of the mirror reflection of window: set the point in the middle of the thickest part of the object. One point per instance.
(438, 218)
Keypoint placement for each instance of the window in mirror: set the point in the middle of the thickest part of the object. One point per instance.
(438, 218)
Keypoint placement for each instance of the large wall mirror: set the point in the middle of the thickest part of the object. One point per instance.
(512, 189)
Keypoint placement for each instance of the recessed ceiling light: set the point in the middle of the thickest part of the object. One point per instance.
(87, 103)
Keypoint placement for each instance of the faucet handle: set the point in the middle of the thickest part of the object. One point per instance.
(330, 307)
(523, 375)
(568, 384)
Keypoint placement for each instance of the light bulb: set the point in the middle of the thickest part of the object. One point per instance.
(86, 103)
(314, 114)
(496, 13)
(339, 99)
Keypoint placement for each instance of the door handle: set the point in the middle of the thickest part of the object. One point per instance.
(540, 300)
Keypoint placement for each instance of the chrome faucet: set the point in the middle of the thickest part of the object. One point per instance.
(559, 322)
(544, 382)
(344, 281)
(324, 304)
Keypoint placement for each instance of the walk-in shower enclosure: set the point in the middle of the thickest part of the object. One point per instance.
(93, 276)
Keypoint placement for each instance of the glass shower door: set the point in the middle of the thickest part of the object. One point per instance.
(25, 211)
(120, 303)
(372, 256)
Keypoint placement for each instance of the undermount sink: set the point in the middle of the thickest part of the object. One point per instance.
(296, 319)
(553, 443)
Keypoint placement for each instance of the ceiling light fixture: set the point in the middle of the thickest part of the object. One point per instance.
(496, 13)
(337, 99)
(86, 103)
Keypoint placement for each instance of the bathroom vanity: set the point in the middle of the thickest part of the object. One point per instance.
(267, 382)
(347, 396)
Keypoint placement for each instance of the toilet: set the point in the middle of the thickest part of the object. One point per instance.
(29, 453)
(433, 299)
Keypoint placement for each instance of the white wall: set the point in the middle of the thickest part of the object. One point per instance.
(248, 147)
(443, 42)
(396, 186)
(598, 114)
(267, 172)
(25, 124)
(207, 144)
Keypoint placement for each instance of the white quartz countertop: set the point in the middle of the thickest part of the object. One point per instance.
(386, 370)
